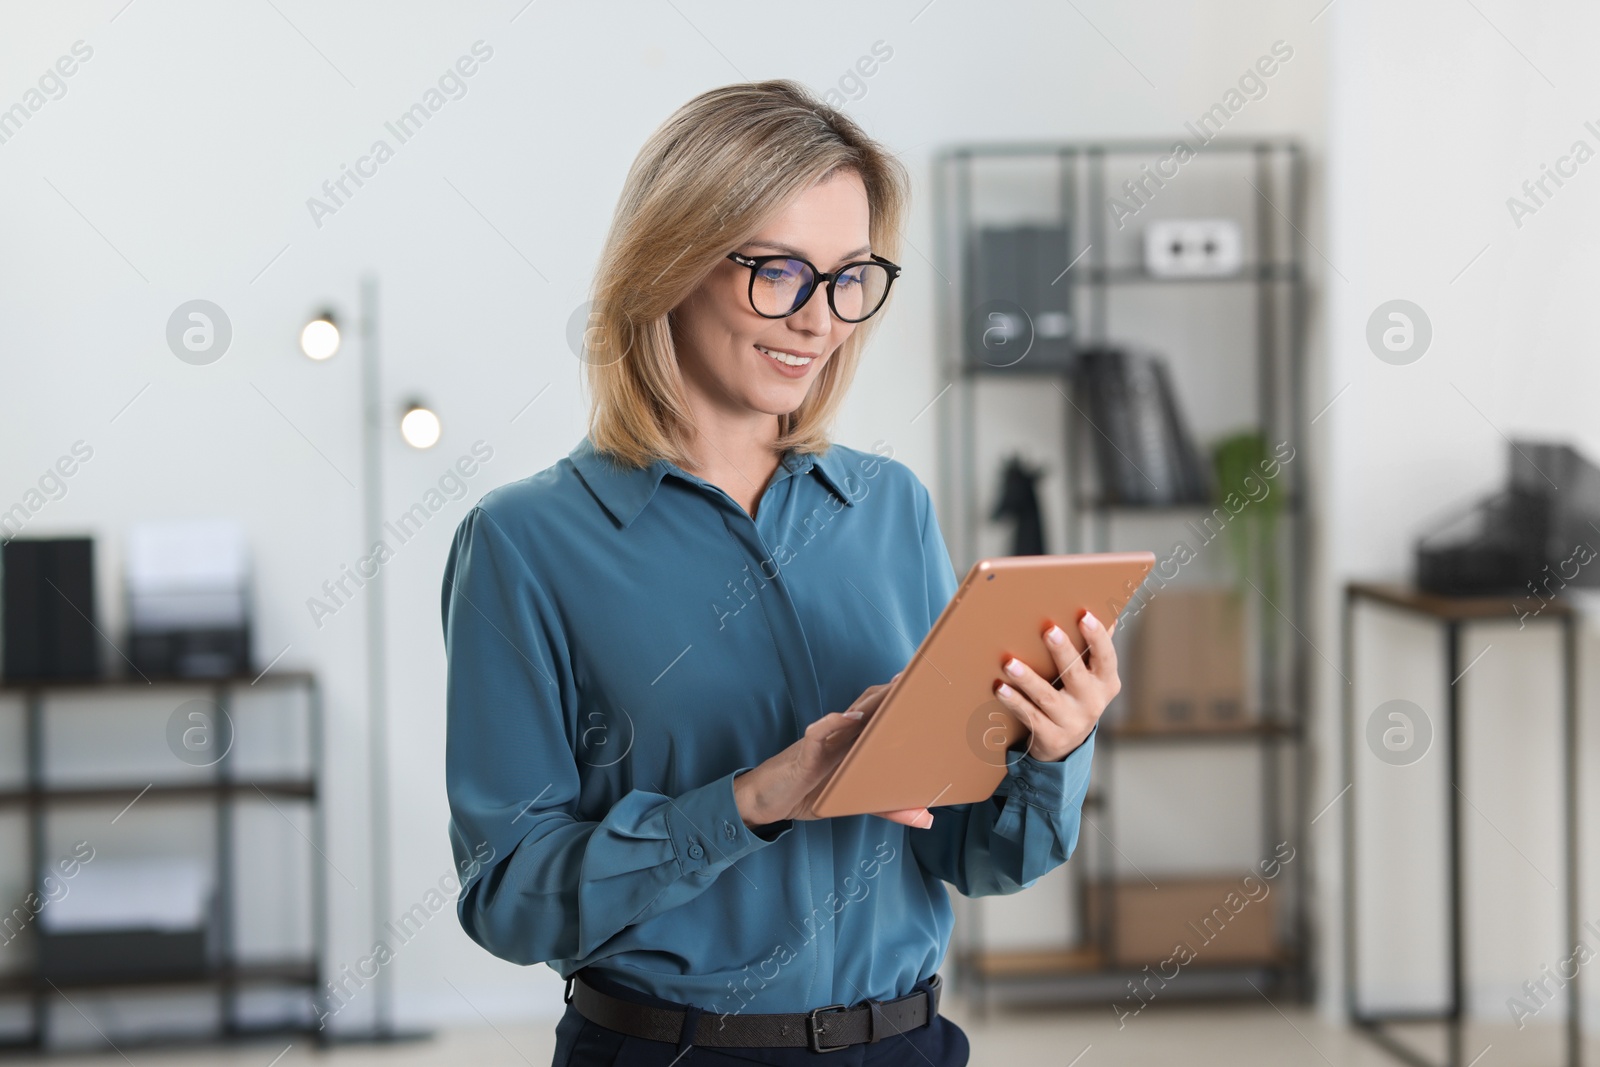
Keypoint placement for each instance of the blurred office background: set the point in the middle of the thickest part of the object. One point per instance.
(1372, 266)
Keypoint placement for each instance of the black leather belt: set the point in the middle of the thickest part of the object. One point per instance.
(825, 1029)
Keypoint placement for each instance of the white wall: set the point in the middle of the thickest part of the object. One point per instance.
(1438, 113)
(178, 166)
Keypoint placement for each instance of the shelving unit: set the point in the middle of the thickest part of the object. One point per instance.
(1258, 182)
(226, 975)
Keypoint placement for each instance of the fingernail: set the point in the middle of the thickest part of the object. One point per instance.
(926, 821)
(1090, 622)
(1006, 691)
(1055, 635)
(1014, 668)
(853, 714)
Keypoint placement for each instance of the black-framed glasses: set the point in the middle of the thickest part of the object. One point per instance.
(780, 285)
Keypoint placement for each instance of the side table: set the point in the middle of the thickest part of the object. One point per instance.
(1456, 613)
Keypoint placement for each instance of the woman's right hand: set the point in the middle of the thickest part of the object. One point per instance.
(785, 786)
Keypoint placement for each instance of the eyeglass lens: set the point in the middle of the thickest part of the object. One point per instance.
(782, 285)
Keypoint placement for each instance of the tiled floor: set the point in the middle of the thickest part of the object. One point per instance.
(1227, 1036)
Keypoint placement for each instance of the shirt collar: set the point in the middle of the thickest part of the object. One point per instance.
(625, 491)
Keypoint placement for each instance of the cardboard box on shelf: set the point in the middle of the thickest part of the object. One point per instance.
(1219, 920)
(1187, 666)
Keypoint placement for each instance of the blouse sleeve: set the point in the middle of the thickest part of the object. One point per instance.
(1030, 826)
(539, 882)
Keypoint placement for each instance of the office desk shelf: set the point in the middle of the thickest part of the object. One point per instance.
(1251, 321)
(221, 791)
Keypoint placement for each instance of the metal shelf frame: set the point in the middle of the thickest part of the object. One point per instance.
(1271, 201)
(221, 792)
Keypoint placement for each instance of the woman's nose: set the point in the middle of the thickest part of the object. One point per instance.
(815, 318)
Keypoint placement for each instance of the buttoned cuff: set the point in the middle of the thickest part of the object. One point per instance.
(1055, 786)
(708, 833)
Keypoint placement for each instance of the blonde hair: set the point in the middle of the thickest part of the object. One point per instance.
(705, 182)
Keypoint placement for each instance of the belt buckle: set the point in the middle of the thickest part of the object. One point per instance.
(811, 1028)
(566, 994)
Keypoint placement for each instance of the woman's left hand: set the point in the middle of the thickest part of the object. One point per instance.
(1062, 719)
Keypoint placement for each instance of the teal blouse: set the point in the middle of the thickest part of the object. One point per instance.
(620, 644)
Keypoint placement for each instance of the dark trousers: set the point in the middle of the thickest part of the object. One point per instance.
(581, 1043)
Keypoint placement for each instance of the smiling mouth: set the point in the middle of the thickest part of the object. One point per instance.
(785, 358)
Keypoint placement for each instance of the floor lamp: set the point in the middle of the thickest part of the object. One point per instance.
(419, 427)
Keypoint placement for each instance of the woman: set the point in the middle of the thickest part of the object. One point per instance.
(660, 646)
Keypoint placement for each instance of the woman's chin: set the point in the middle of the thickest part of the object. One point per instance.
(783, 402)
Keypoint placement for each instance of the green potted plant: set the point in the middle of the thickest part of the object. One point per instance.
(1239, 462)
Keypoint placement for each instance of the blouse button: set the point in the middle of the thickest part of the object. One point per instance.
(728, 831)
(696, 851)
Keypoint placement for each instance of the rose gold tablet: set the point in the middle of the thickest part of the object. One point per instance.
(941, 736)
